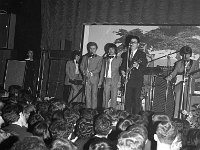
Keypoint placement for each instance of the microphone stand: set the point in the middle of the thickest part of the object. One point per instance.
(182, 100)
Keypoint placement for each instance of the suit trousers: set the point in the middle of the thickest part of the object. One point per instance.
(110, 92)
(132, 99)
(178, 95)
(91, 90)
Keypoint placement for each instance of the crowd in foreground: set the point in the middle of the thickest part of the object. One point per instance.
(28, 123)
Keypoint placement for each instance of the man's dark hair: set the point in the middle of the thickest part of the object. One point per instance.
(57, 115)
(103, 124)
(40, 129)
(61, 129)
(10, 113)
(129, 38)
(84, 128)
(91, 44)
(108, 46)
(74, 54)
(71, 116)
(30, 143)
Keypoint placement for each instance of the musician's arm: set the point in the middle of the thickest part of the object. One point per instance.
(102, 73)
(196, 67)
(174, 72)
(82, 65)
(123, 64)
(143, 63)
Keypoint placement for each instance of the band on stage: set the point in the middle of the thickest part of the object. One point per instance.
(124, 71)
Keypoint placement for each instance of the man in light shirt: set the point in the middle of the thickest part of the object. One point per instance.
(110, 75)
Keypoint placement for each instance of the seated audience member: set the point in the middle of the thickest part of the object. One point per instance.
(165, 135)
(61, 129)
(193, 137)
(84, 131)
(71, 116)
(101, 144)
(30, 143)
(129, 140)
(57, 115)
(160, 117)
(141, 129)
(122, 114)
(40, 129)
(88, 113)
(34, 118)
(14, 116)
(14, 93)
(123, 124)
(63, 144)
(102, 127)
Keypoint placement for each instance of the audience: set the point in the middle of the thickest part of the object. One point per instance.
(16, 120)
(165, 135)
(31, 123)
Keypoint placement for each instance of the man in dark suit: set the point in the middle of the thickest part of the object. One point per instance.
(91, 67)
(110, 75)
(137, 62)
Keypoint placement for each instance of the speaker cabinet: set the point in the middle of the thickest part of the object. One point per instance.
(14, 73)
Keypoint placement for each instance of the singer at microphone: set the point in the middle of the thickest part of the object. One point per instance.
(110, 76)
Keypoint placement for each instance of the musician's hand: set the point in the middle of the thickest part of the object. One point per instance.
(169, 78)
(123, 73)
(99, 85)
(135, 64)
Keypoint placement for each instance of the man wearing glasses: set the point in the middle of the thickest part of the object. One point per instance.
(133, 63)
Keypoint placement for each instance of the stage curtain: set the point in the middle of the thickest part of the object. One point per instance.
(64, 19)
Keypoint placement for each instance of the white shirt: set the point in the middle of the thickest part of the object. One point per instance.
(133, 53)
(77, 69)
(109, 68)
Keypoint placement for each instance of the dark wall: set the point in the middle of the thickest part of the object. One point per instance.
(28, 25)
(28, 28)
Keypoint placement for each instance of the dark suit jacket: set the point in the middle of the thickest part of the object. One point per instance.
(136, 75)
(70, 72)
(115, 64)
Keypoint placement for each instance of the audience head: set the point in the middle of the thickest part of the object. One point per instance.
(63, 144)
(71, 116)
(61, 129)
(34, 118)
(130, 140)
(13, 113)
(165, 133)
(57, 115)
(123, 124)
(141, 129)
(14, 90)
(101, 144)
(84, 128)
(30, 143)
(103, 125)
(160, 117)
(40, 129)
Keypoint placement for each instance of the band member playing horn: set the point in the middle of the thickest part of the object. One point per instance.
(73, 77)
(91, 67)
(183, 69)
(133, 63)
(110, 75)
